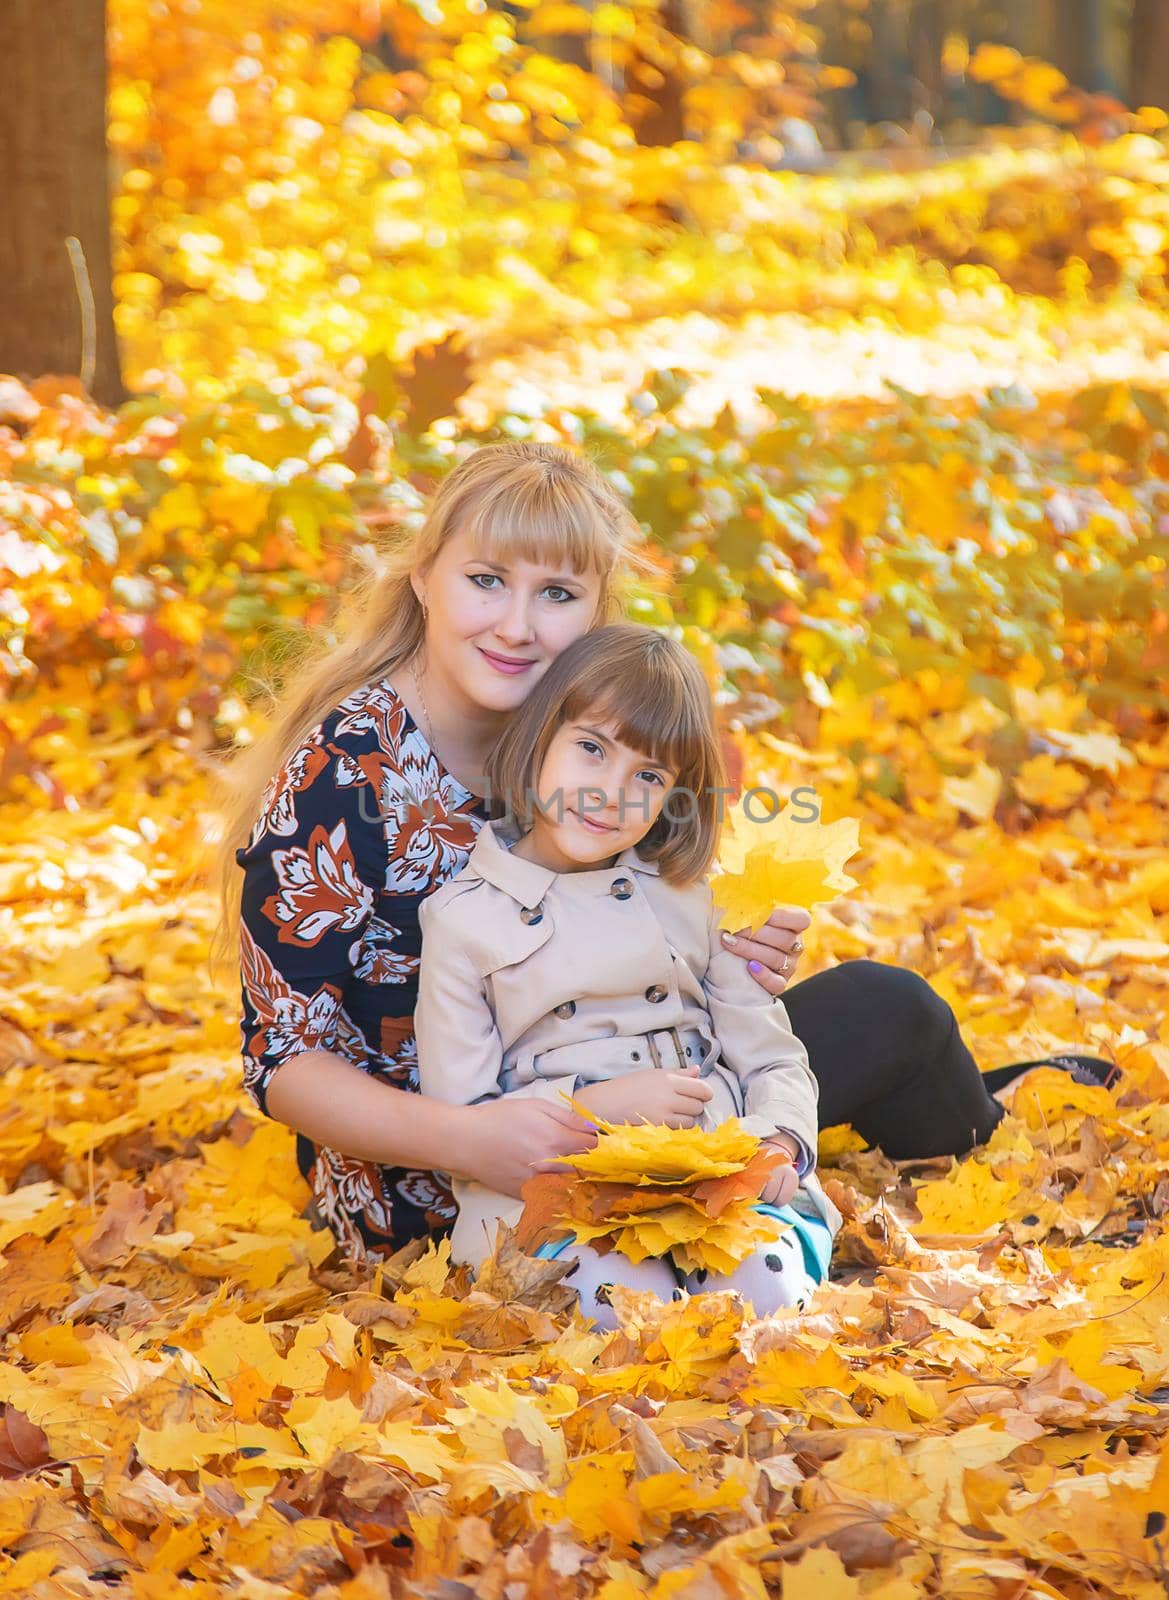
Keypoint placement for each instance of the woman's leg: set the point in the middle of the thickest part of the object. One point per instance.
(594, 1274)
(774, 1275)
(1091, 1070)
(887, 1054)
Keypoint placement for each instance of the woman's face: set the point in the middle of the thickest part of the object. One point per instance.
(492, 630)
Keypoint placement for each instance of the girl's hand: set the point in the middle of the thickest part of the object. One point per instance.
(784, 1181)
(771, 954)
(513, 1138)
(674, 1099)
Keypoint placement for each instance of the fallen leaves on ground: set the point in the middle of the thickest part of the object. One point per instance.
(198, 1395)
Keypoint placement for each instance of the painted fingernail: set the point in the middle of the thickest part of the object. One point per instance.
(755, 966)
(729, 938)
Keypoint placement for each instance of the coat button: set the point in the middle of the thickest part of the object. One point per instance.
(566, 1010)
(656, 993)
(532, 914)
(621, 888)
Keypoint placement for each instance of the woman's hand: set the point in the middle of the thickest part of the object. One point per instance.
(511, 1138)
(784, 1181)
(674, 1099)
(771, 953)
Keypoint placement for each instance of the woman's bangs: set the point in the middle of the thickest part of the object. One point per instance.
(545, 524)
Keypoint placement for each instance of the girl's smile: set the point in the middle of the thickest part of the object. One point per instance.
(591, 823)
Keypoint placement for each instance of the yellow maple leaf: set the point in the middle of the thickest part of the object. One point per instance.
(994, 61)
(596, 1498)
(977, 794)
(1052, 784)
(1103, 750)
(837, 1140)
(968, 1200)
(666, 1495)
(1052, 707)
(784, 861)
(695, 1241)
(729, 1240)
(645, 1153)
(1089, 1352)
(782, 1377)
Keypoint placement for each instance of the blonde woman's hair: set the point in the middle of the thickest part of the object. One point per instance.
(526, 500)
(653, 693)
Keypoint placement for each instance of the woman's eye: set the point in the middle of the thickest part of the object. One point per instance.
(484, 580)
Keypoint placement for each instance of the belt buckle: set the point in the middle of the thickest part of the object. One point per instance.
(655, 1053)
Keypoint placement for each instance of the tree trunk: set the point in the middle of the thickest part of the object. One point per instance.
(927, 35)
(1080, 48)
(888, 74)
(53, 134)
(665, 122)
(1150, 53)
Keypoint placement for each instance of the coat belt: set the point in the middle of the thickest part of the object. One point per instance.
(594, 1059)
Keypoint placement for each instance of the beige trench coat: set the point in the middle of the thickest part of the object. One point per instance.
(535, 982)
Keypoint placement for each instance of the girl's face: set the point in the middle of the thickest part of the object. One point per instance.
(493, 630)
(596, 796)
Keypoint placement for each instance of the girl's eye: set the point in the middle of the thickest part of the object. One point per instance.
(592, 745)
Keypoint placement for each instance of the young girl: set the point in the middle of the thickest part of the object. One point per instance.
(579, 951)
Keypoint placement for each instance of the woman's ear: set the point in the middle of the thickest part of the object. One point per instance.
(418, 584)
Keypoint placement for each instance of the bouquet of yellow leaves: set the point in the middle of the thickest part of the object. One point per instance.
(788, 860)
(647, 1189)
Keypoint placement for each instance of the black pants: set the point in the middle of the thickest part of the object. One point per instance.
(887, 1054)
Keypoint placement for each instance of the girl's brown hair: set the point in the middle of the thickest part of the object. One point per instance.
(653, 693)
(524, 500)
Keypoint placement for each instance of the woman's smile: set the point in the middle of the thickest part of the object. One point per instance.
(511, 665)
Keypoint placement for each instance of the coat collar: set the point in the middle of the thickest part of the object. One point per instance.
(527, 881)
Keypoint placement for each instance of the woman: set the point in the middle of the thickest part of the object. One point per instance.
(367, 793)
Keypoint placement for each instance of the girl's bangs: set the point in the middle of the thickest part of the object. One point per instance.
(660, 720)
(547, 522)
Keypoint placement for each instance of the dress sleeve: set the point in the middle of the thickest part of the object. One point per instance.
(780, 1092)
(312, 868)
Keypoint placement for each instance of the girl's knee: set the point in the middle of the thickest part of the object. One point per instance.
(786, 1282)
(772, 1278)
(594, 1276)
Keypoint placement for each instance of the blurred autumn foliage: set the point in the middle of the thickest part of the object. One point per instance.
(898, 435)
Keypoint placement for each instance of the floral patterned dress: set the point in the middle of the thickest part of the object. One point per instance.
(358, 826)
